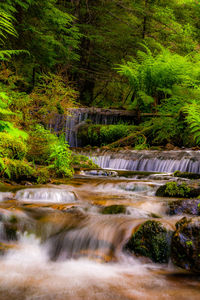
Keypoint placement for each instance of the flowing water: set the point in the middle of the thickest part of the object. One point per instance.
(148, 161)
(65, 248)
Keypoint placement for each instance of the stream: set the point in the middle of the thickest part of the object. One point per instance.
(65, 248)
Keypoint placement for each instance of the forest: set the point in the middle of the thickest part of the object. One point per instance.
(134, 55)
(99, 149)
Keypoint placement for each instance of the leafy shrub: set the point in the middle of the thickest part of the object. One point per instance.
(193, 119)
(12, 147)
(43, 175)
(40, 144)
(153, 76)
(16, 170)
(60, 158)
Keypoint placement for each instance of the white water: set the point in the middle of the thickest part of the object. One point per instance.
(26, 273)
(148, 165)
(49, 195)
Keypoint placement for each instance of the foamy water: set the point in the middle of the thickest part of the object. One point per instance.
(49, 195)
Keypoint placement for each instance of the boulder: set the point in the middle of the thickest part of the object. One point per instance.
(185, 248)
(151, 240)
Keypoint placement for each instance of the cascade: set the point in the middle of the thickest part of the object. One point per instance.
(148, 161)
(70, 124)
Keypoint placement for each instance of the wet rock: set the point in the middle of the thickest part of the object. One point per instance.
(185, 250)
(113, 210)
(174, 189)
(189, 206)
(152, 240)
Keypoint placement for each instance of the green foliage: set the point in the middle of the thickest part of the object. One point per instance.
(40, 143)
(153, 76)
(60, 158)
(16, 170)
(82, 161)
(53, 94)
(12, 147)
(46, 148)
(6, 26)
(193, 119)
(46, 31)
(43, 175)
(100, 135)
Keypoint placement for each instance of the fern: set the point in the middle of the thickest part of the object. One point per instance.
(153, 76)
(6, 26)
(193, 119)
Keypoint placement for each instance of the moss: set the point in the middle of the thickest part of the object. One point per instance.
(173, 189)
(113, 210)
(151, 240)
(82, 161)
(186, 175)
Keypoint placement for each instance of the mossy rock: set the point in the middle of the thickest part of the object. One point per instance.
(173, 189)
(189, 206)
(151, 240)
(113, 210)
(185, 249)
(186, 175)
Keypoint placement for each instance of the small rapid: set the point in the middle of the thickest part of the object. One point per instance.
(56, 242)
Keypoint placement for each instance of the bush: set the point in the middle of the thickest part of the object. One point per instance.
(43, 175)
(60, 158)
(40, 144)
(16, 170)
(12, 147)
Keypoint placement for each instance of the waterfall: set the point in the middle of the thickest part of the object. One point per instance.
(71, 123)
(149, 161)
